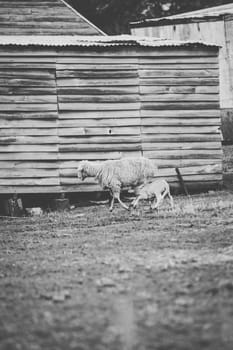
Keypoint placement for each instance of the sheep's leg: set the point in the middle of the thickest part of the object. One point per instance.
(110, 197)
(117, 196)
(111, 200)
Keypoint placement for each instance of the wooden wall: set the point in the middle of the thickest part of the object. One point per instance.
(39, 17)
(28, 122)
(58, 107)
(180, 117)
(218, 32)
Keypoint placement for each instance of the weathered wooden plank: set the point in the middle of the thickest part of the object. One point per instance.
(195, 113)
(179, 89)
(186, 163)
(9, 173)
(100, 147)
(176, 137)
(25, 148)
(99, 99)
(27, 59)
(26, 66)
(21, 82)
(184, 154)
(185, 73)
(53, 30)
(93, 140)
(99, 131)
(97, 60)
(95, 74)
(180, 105)
(81, 188)
(179, 97)
(75, 181)
(27, 99)
(8, 25)
(90, 155)
(179, 66)
(27, 123)
(108, 90)
(29, 156)
(28, 132)
(192, 81)
(196, 178)
(99, 106)
(181, 130)
(36, 115)
(28, 140)
(180, 146)
(27, 164)
(207, 89)
(22, 90)
(66, 123)
(94, 66)
(99, 114)
(178, 60)
(27, 74)
(45, 181)
(62, 82)
(29, 51)
(28, 107)
(180, 121)
(30, 189)
(195, 170)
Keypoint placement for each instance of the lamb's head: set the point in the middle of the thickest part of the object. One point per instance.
(82, 171)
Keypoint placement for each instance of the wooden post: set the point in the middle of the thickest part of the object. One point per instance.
(182, 183)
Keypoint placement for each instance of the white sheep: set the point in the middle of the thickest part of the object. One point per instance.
(156, 190)
(116, 174)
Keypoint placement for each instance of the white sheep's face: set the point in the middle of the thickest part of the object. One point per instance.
(81, 172)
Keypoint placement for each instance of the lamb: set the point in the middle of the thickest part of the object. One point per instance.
(156, 190)
(116, 174)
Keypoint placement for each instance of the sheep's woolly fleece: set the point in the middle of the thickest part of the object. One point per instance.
(124, 172)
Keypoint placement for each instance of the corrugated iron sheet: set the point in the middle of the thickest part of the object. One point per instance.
(94, 41)
(211, 13)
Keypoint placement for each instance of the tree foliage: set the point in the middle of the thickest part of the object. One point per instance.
(114, 16)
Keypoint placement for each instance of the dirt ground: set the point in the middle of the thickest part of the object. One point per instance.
(89, 279)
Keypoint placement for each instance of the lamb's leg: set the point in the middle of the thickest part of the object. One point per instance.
(117, 196)
(171, 200)
(157, 202)
(135, 201)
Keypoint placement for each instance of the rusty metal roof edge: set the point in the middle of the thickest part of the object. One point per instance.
(167, 20)
(95, 41)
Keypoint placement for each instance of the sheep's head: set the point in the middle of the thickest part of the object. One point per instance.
(82, 170)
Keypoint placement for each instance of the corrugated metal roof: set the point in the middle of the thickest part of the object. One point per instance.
(94, 41)
(210, 13)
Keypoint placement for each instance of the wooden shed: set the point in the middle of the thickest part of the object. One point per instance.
(65, 99)
(213, 25)
(43, 17)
